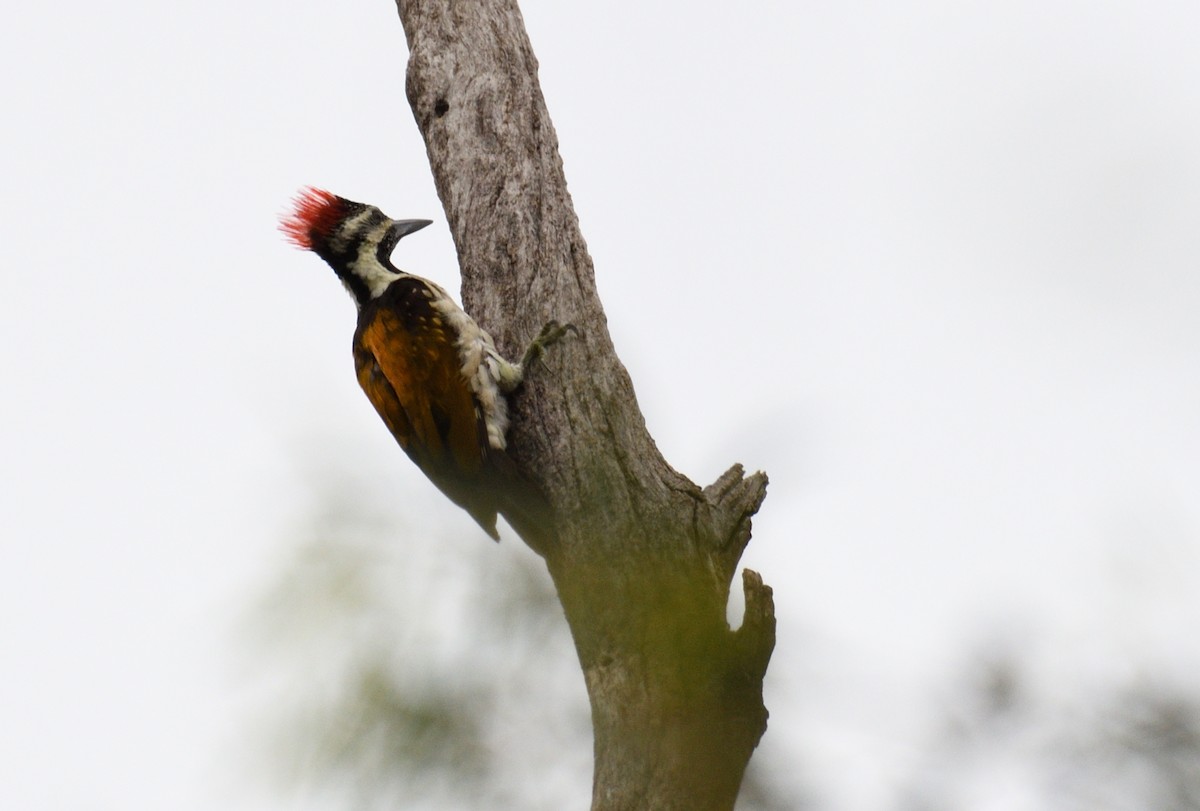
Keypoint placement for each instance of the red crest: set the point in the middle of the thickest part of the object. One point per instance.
(315, 214)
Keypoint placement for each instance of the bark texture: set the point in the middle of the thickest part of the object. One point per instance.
(642, 558)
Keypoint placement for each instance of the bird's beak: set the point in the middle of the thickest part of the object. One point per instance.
(402, 228)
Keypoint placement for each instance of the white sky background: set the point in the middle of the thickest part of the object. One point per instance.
(933, 266)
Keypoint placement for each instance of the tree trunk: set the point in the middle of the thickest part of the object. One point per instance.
(642, 558)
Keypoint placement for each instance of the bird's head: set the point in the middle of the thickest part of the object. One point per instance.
(356, 239)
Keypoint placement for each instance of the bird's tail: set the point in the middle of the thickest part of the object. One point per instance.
(523, 504)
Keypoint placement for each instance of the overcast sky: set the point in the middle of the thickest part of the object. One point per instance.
(931, 265)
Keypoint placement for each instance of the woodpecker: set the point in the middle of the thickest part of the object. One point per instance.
(432, 373)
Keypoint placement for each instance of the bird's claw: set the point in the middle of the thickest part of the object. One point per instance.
(551, 333)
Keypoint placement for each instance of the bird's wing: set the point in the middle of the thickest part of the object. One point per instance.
(408, 366)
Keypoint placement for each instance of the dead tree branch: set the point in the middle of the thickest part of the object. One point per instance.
(642, 558)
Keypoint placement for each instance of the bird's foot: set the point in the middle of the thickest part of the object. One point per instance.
(551, 333)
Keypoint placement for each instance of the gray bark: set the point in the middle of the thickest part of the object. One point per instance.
(642, 558)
